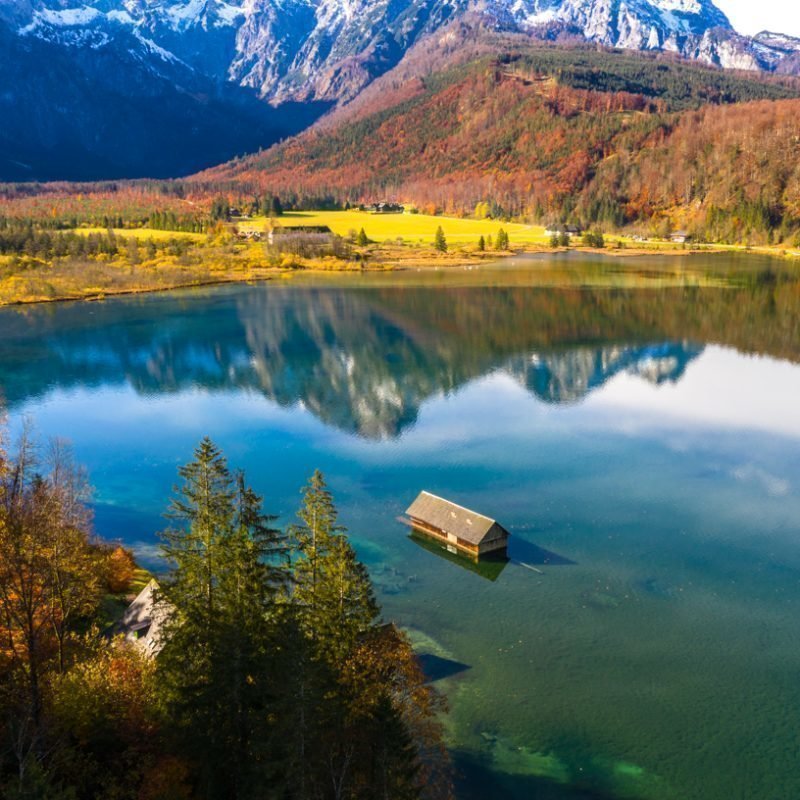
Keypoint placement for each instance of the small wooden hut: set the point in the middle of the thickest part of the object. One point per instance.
(142, 622)
(457, 527)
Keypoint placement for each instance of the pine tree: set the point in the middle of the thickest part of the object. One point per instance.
(481, 244)
(439, 242)
(362, 240)
(333, 591)
(220, 209)
(346, 602)
(228, 576)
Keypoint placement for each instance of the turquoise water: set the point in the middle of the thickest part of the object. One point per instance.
(641, 444)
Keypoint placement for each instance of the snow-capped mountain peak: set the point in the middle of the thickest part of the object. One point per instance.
(330, 49)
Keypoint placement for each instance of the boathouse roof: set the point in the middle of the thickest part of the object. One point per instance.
(451, 518)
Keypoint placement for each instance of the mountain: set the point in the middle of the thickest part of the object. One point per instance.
(569, 377)
(113, 88)
(104, 102)
(601, 138)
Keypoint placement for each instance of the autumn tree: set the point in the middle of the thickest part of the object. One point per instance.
(396, 717)
(49, 581)
(120, 569)
(107, 716)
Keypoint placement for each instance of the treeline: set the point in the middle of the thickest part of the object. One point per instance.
(170, 221)
(119, 205)
(229, 202)
(27, 240)
(676, 84)
(275, 677)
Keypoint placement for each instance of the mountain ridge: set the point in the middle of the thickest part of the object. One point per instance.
(302, 56)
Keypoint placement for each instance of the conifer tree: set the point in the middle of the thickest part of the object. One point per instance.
(439, 242)
(227, 579)
(276, 207)
(362, 239)
(481, 244)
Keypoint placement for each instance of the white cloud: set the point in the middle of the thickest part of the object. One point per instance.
(779, 16)
(722, 388)
(772, 484)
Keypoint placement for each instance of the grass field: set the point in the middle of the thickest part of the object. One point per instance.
(413, 228)
(143, 234)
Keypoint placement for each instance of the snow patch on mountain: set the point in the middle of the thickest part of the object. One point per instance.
(330, 49)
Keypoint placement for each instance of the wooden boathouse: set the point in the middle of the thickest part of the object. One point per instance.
(457, 527)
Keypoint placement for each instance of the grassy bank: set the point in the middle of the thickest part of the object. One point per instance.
(134, 260)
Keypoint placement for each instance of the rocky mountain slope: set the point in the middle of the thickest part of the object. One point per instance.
(103, 109)
(156, 87)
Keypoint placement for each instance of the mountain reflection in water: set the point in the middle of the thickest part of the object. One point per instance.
(643, 634)
(365, 360)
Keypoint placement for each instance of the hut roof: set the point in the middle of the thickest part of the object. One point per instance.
(450, 517)
(144, 618)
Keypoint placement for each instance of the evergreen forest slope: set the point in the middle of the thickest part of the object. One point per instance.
(598, 137)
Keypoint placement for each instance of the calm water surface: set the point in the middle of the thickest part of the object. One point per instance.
(637, 431)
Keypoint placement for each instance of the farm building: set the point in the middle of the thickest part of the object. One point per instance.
(680, 237)
(310, 234)
(556, 230)
(456, 526)
(143, 619)
(385, 208)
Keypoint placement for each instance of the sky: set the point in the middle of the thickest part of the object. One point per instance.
(749, 16)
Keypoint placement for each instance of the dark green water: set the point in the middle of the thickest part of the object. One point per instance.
(642, 445)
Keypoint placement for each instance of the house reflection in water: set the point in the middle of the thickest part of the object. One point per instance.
(489, 567)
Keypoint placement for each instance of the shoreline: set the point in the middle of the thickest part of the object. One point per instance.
(418, 262)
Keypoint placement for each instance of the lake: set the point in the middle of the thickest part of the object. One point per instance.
(636, 426)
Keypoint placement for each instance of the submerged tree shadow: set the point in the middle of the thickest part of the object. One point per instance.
(436, 668)
(477, 779)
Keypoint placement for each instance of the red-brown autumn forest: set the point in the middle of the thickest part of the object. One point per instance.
(603, 138)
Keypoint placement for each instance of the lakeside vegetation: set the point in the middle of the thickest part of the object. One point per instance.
(43, 261)
(627, 148)
(276, 679)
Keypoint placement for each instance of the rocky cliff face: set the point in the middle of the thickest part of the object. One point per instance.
(329, 49)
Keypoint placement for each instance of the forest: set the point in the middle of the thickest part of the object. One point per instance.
(276, 676)
(604, 139)
(622, 142)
